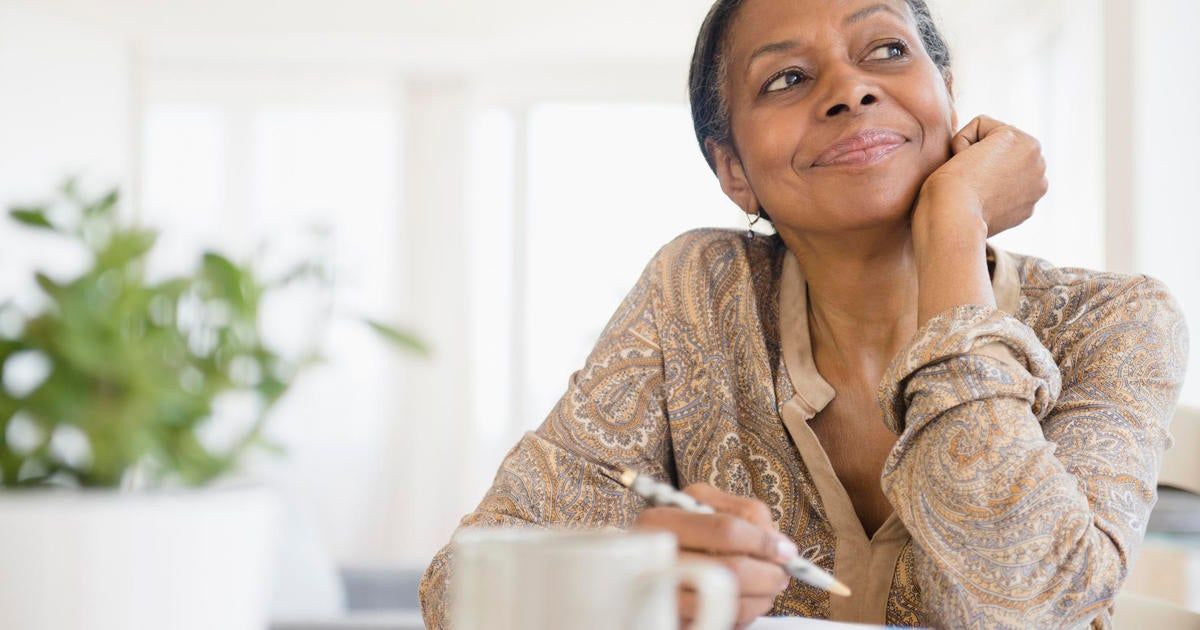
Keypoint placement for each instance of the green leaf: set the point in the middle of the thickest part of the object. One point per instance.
(7, 347)
(220, 265)
(271, 388)
(33, 217)
(399, 338)
(48, 285)
(104, 205)
(226, 278)
(174, 287)
(126, 246)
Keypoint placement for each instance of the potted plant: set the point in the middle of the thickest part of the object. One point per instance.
(118, 510)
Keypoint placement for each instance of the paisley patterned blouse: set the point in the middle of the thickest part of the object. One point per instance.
(1030, 434)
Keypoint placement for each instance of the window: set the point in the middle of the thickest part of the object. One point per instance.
(602, 187)
(242, 162)
(609, 184)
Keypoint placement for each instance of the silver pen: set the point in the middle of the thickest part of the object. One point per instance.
(660, 493)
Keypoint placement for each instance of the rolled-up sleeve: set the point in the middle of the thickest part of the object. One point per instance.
(612, 415)
(1026, 487)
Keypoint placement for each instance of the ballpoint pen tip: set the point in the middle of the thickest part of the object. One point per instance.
(837, 588)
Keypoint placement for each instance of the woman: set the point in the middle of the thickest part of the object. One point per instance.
(1008, 479)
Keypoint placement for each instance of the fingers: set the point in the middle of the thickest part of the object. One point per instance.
(978, 129)
(1000, 182)
(741, 535)
(740, 526)
(719, 533)
(755, 578)
(966, 136)
(958, 144)
(751, 510)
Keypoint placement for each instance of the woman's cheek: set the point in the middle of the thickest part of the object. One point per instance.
(937, 141)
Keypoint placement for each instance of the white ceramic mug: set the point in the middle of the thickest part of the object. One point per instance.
(547, 579)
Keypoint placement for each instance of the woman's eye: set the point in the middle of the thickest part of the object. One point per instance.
(784, 80)
(897, 47)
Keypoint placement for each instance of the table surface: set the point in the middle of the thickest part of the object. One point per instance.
(799, 623)
(406, 620)
(412, 621)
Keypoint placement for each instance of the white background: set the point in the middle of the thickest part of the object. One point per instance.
(495, 176)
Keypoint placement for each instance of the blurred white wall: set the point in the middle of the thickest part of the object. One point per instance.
(1164, 105)
(67, 100)
(1036, 65)
(66, 105)
(452, 146)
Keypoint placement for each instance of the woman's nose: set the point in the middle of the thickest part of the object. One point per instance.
(848, 93)
(865, 99)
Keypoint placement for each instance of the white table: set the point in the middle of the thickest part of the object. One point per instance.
(412, 621)
(804, 623)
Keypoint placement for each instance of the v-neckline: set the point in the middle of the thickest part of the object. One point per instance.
(865, 563)
(794, 336)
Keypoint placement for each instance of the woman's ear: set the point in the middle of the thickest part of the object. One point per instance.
(732, 176)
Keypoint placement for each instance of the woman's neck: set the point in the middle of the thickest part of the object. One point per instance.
(862, 293)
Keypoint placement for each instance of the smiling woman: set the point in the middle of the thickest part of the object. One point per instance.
(710, 69)
(966, 437)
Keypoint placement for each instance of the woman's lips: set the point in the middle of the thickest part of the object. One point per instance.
(864, 148)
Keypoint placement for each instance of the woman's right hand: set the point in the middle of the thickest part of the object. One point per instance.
(996, 171)
(740, 535)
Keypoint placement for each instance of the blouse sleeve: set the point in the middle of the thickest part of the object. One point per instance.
(1026, 495)
(612, 415)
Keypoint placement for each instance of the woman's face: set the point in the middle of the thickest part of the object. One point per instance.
(805, 74)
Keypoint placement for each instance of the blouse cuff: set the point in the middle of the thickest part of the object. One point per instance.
(976, 330)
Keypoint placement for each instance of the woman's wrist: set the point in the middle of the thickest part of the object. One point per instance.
(949, 241)
(948, 213)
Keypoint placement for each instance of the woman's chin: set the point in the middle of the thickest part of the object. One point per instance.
(867, 212)
(869, 205)
(847, 219)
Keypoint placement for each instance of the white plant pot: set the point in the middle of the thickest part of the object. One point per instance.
(152, 560)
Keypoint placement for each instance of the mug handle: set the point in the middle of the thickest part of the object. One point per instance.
(716, 590)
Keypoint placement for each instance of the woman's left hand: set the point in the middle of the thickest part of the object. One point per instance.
(996, 173)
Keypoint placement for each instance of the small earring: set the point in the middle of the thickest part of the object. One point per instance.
(749, 230)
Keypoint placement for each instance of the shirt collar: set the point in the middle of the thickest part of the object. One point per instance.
(812, 390)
